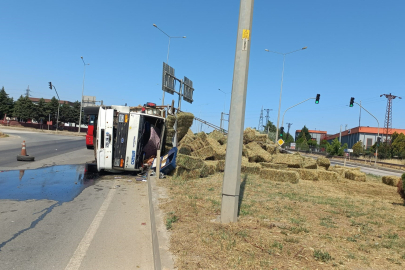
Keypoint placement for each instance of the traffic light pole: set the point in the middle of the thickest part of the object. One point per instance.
(378, 135)
(282, 122)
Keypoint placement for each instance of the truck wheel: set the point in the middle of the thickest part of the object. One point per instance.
(25, 158)
(89, 147)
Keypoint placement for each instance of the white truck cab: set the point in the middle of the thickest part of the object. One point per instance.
(128, 136)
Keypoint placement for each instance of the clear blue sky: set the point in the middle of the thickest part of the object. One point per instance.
(355, 48)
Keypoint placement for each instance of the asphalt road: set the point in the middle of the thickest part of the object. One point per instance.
(48, 149)
(54, 216)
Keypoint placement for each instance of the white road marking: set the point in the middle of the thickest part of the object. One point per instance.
(82, 248)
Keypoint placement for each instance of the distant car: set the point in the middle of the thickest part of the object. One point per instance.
(89, 134)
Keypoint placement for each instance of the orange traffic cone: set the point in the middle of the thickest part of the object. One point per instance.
(23, 150)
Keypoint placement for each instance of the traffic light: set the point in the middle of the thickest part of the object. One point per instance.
(50, 85)
(351, 101)
(281, 131)
(378, 141)
(317, 98)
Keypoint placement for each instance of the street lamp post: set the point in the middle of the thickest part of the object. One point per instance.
(168, 52)
(222, 126)
(281, 89)
(81, 101)
(57, 117)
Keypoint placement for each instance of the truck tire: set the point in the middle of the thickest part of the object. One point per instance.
(25, 158)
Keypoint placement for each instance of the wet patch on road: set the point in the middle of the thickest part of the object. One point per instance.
(58, 183)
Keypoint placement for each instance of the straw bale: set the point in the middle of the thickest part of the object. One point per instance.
(271, 148)
(187, 174)
(355, 175)
(273, 166)
(170, 121)
(306, 174)
(188, 162)
(197, 144)
(338, 169)
(309, 163)
(292, 161)
(190, 132)
(250, 168)
(212, 142)
(391, 180)
(204, 153)
(245, 160)
(220, 165)
(249, 135)
(400, 189)
(185, 149)
(207, 170)
(260, 137)
(219, 149)
(327, 175)
(257, 154)
(202, 135)
(187, 139)
(324, 162)
(245, 151)
(280, 175)
(212, 164)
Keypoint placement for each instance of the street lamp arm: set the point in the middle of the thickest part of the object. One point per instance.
(378, 123)
(161, 30)
(282, 122)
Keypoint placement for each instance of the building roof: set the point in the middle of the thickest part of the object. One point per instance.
(312, 131)
(49, 100)
(369, 130)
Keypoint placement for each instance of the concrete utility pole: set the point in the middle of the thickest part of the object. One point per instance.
(233, 159)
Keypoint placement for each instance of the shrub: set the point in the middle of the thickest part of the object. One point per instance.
(401, 187)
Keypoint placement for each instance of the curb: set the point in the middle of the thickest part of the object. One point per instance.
(155, 242)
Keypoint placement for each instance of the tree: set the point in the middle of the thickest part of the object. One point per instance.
(303, 144)
(270, 126)
(336, 148)
(358, 148)
(288, 139)
(6, 103)
(304, 133)
(23, 108)
(398, 145)
(51, 108)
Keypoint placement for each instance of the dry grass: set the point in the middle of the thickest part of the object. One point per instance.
(3, 135)
(309, 225)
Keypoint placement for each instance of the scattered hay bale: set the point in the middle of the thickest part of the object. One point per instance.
(187, 174)
(219, 149)
(292, 161)
(207, 170)
(338, 169)
(197, 144)
(280, 175)
(327, 175)
(260, 137)
(185, 149)
(202, 135)
(323, 162)
(273, 166)
(257, 154)
(221, 166)
(250, 168)
(218, 136)
(249, 135)
(188, 138)
(188, 162)
(309, 163)
(355, 175)
(271, 148)
(391, 180)
(204, 153)
(306, 174)
(212, 164)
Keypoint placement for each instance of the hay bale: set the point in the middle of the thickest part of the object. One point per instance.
(170, 119)
(323, 162)
(338, 169)
(250, 168)
(280, 175)
(327, 175)
(292, 161)
(204, 153)
(187, 174)
(202, 135)
(249, 135)
(306, 174)
(197, 144)
(206, 170)
(185, 149)
(212, 164)
(218, 136)
(188, 162)
(273, 166)
(272, 149)
(260, 137)
(309, 163)
(187, 139)
(355, 175)
(221, 166)
(219, 149)
(391, 180)
(257, 154)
